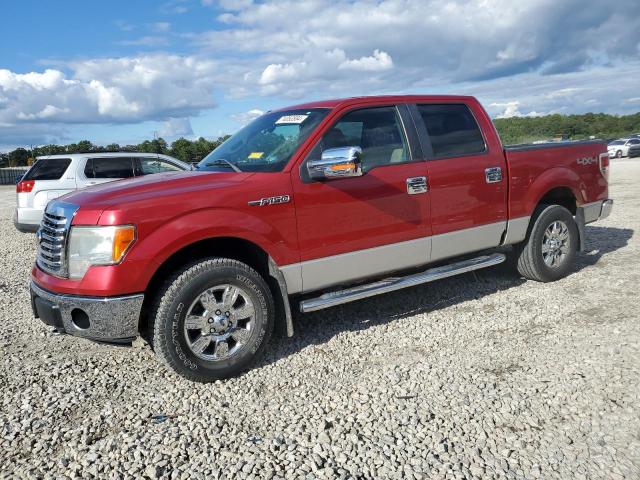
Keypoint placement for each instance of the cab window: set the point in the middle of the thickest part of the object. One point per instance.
(377, 131)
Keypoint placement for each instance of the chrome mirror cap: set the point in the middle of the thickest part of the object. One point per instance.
(337, 163)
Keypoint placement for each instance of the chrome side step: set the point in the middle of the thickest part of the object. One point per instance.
(332, 299)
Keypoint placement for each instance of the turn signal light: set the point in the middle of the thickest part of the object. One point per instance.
(124, 237)
(343, 167)
(25, 186)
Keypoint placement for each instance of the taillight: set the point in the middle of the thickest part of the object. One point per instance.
(25, 186)
(604, 165)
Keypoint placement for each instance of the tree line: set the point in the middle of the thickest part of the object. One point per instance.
(191, 151)
(572, 127)
(512, 130)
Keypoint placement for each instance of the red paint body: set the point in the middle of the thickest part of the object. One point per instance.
(174, 210)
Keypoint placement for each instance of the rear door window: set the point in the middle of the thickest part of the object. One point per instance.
(48, 169)
(453, 130)
(110, 167)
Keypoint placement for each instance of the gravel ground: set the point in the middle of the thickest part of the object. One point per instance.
(479, 376)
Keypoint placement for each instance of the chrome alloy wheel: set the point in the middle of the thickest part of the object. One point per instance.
(555, 243)
(219, 322)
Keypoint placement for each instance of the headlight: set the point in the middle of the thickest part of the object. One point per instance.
(98, 246)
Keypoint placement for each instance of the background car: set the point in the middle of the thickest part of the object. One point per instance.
(634, 151)
(620, 148)
(55, 175)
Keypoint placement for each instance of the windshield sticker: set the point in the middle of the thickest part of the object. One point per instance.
(256, 155)
(295, 119)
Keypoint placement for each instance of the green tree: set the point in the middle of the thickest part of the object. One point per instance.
(18, 157)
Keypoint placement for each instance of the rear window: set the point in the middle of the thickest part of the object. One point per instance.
(111, 167)
(453, 130)
(48, 169)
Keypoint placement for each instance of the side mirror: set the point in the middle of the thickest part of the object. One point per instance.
(337, 163)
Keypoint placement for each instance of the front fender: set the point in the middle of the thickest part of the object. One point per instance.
(157, 246)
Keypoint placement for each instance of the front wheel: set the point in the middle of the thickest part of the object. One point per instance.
(550, 247)
(619, 154)
(213, 319)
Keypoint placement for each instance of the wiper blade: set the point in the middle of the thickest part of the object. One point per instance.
(222, 161)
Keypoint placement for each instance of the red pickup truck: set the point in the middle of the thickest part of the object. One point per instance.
(313, 205)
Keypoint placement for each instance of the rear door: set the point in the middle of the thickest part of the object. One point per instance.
(467, 179)
(105, 169)
(53, 178)
(352, 228)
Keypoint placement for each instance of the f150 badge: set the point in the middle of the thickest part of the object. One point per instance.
(587, 160)
(270, 201)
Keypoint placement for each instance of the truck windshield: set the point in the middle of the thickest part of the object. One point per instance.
(266, 144)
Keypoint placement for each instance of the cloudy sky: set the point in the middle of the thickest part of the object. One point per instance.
(119, 71)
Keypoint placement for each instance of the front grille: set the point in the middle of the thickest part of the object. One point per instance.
(51, 244)
(52, 238)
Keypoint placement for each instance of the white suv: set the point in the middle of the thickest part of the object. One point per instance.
(620, 148)
(55, 175)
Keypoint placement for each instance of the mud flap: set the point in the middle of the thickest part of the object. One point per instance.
(283, 307)
(580, 222)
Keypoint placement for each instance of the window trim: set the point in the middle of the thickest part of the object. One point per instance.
(414, 154)
(425, 138)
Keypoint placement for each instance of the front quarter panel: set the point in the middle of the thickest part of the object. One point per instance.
(166, 223)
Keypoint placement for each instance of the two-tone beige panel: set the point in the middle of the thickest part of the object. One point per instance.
(348, 267)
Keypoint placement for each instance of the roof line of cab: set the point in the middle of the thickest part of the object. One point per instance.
(340, 102)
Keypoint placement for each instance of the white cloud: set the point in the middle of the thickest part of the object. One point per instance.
(176, 127)
(376, 62)
(404, 43)
(246, 117)
(512, 109)
(110, 90)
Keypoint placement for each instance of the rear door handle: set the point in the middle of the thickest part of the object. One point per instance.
(493, 174)
(416, 185)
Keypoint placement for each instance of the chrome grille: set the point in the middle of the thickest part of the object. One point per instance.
(52, 238)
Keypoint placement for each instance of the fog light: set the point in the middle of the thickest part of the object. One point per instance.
(80, 319)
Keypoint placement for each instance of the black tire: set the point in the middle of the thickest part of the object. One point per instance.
(177, 297)
(619, 154)
(529, 258)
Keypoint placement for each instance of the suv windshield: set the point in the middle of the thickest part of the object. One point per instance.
(266, 144)
(617, 142)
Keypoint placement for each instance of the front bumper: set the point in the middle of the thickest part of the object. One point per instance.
(104, 319)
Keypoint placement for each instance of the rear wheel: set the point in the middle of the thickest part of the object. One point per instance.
(550, 247)
(213, 319)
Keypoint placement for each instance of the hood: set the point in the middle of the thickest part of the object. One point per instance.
(152, 186)
(158, 196)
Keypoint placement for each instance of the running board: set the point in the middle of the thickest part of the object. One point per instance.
(332, 299)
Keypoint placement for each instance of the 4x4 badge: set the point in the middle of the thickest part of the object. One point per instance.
(270, 201)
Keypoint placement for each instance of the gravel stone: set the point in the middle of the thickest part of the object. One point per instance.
(483, 375)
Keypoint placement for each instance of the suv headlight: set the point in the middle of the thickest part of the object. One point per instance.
(98, 246)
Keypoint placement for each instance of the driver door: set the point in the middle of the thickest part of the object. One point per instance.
(357, 227)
